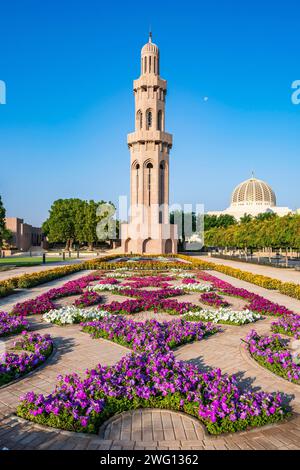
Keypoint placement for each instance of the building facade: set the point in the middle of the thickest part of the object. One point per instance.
(148, 229)
(24, 236)
(253, 197)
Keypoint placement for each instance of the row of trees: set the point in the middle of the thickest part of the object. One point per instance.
(5, 234)
(264, 231)
(73, 221)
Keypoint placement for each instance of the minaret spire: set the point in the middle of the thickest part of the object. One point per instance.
(150, 34)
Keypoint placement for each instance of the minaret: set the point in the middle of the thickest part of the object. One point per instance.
(149, 230)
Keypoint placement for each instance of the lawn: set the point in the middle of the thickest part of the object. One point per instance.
(27, 261)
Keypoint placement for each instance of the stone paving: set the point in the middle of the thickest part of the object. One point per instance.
(75, 351)
(283, 274)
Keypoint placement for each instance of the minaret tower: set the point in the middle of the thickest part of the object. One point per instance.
(149, 230)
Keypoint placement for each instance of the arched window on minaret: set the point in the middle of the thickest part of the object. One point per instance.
(159, 120)
(137, 176)
(149, 182)
(145, 64)
(139, 119)
(161, 190)
(154, 65)
(150, 64)
(149, 119)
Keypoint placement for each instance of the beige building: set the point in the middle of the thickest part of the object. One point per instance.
(25, 236)
(253, 197)
(148, 230)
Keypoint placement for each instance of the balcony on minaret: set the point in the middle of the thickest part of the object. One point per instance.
(149, 80)
(150, 136)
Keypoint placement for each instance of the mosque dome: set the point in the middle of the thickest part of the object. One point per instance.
(253, 192)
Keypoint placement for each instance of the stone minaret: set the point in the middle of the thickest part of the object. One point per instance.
(149, 230)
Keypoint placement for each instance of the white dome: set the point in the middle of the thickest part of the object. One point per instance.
(253, 192)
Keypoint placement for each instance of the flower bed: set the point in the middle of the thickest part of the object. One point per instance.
(35, 279)
(178, 268)
(287, 325)
(255, 302)
(151, 381)
(149, 281)
(114, 288)
(266, 307)
(35, 306)
(6, 288)
(87, 299)
(171, 306)
(223, 315)
(151, 296)
(11, 324)
(272, 353)
(43, 303)
(196, 287)
(71, 314)
(213, 299)
(149, 335)
(38, 348)
(287, 288)
(189, 280)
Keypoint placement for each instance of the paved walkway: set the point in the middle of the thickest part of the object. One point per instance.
(75, 351)
(44, 267)
(283, 274)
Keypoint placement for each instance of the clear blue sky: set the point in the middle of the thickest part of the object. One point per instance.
(69, 65)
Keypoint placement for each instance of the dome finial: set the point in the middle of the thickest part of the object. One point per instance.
(252, 174)
(150, 34)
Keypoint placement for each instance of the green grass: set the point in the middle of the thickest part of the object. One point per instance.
(27, 261)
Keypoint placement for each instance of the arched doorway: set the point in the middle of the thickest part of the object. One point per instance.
(150, 246)
(127, 245)
(144, 247)
(168, 246)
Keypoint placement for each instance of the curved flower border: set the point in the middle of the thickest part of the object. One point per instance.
(271, 352)
(36, 349)
(151, 381)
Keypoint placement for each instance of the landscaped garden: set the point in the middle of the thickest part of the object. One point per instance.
(151, 308)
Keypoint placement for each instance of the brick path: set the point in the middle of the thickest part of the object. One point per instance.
(283, 274)
(147, 429)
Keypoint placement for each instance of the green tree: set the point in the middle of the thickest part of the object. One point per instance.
(61, 223)
(3, 230)
(245, 219)
(73, 221)
(223, 220)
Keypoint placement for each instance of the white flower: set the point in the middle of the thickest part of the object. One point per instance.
(225, 315)
(197, 287)
(117, 275)
(182, 274)
(71, 314)
(106, 287)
